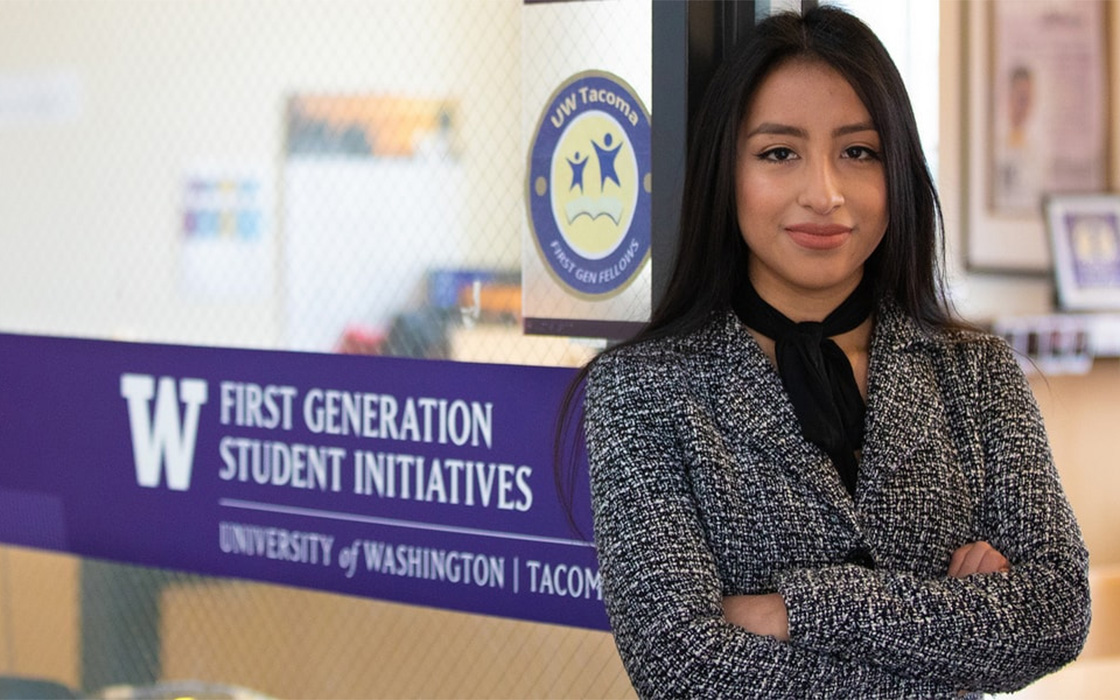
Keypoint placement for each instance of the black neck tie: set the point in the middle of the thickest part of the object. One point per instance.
(816, 373)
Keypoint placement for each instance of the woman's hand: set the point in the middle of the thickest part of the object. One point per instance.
(977, 558)
(759, 614)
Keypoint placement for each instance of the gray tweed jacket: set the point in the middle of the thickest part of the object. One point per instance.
(702, 487)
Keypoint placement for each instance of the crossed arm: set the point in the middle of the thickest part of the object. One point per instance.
(766, 614)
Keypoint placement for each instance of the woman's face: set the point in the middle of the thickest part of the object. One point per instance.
(811, 196)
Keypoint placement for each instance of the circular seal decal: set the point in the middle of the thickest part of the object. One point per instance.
(589, 184)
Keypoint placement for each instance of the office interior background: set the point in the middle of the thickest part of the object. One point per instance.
(377, 153)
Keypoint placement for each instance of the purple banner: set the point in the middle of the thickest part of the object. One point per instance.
(415, 481)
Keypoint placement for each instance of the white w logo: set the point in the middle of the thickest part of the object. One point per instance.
(167, 441)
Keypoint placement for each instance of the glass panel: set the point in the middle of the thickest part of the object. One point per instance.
(345, 177)
(333, 177)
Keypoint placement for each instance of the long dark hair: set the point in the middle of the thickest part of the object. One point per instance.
(712, 256)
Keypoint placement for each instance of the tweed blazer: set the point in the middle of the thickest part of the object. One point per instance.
(703, 487)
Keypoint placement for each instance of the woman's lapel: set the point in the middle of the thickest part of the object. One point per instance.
(754, 410)
(901, 402)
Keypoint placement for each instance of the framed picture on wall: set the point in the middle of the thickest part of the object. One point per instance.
(1085, 241)
(1037, 122)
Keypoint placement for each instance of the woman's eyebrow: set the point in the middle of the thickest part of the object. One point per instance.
(774, 129)
(853, 129)
(778, 130)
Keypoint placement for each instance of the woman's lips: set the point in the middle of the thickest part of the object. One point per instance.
(819, 236)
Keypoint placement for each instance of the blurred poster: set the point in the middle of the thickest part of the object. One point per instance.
(40, 98)
(374, 197)
(227, 243)
(369, 126)
(1049, 102)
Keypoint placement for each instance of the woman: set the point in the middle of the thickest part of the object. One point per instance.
(807, 479)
